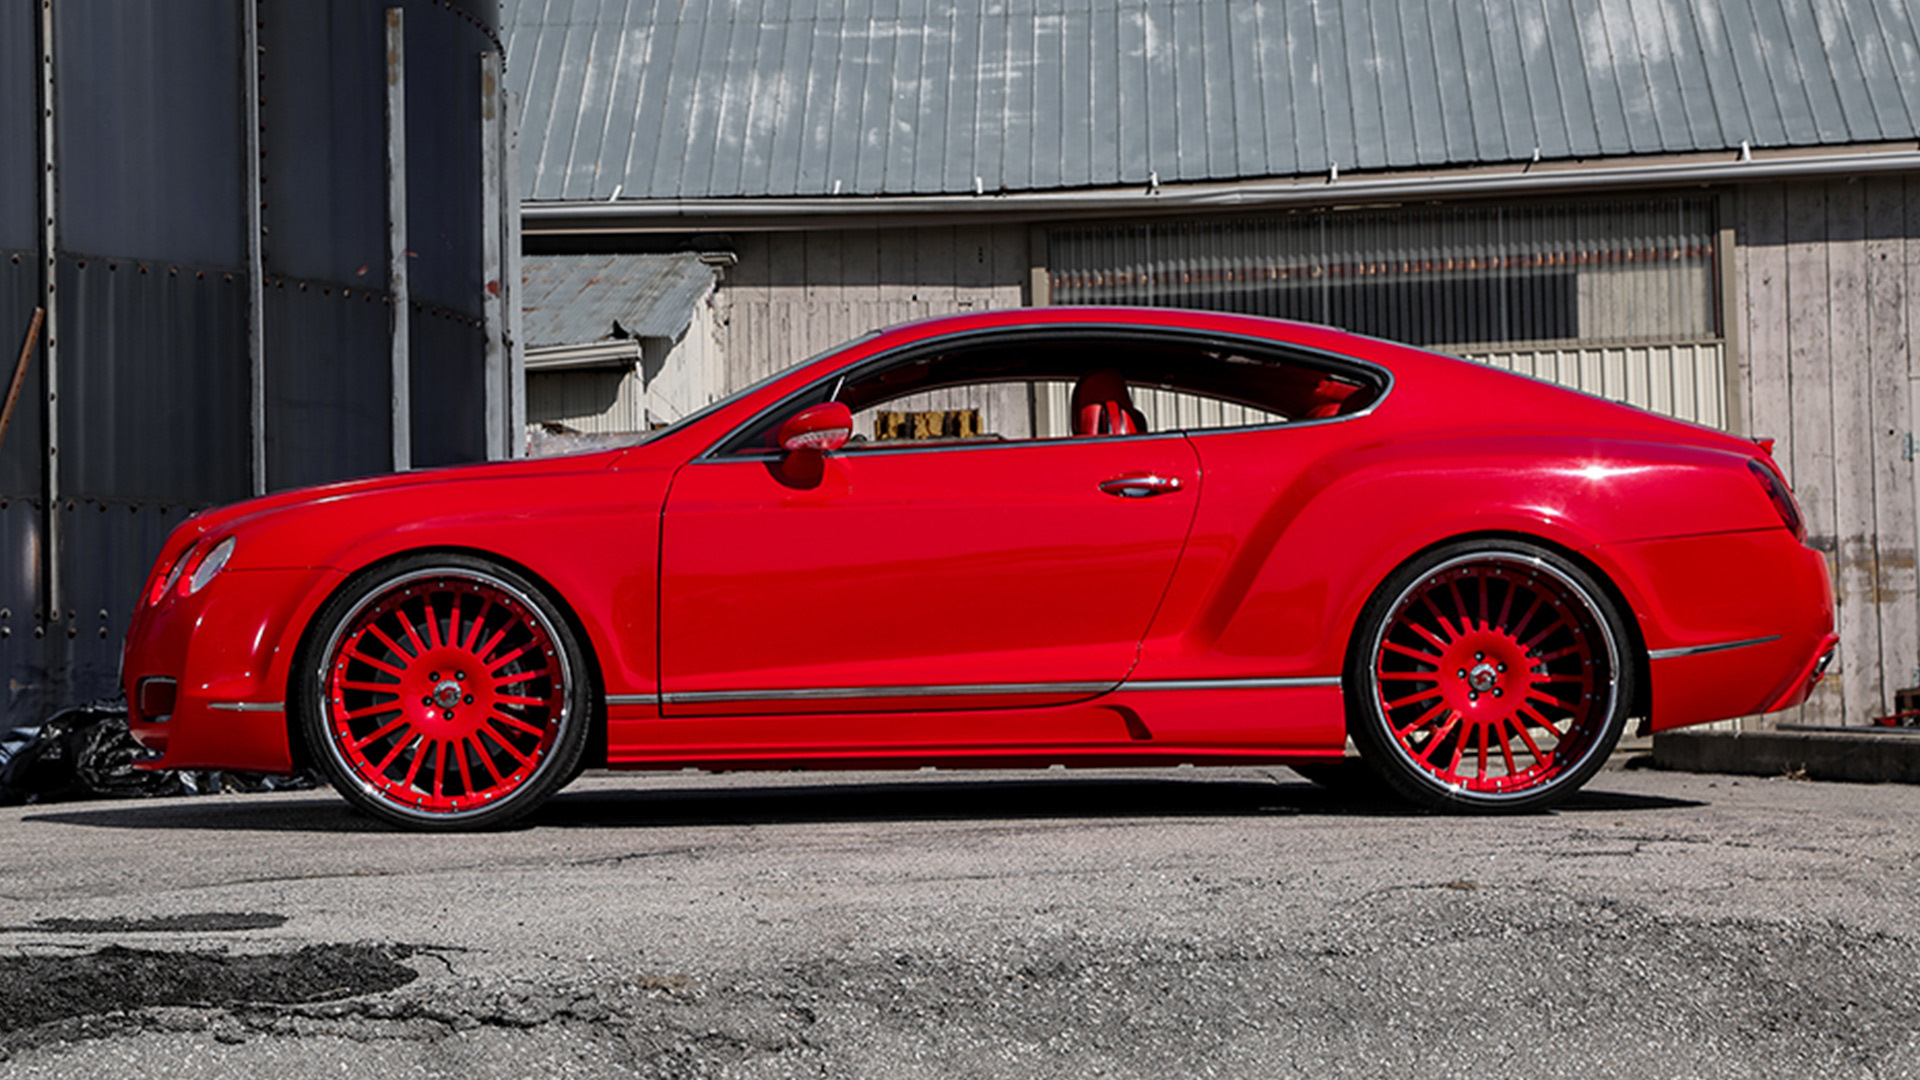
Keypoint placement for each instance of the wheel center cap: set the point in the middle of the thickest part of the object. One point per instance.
(1482, 677)
(447, 694)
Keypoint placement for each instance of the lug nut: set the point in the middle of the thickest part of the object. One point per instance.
(433, 676)
(1473, 695)
(427, 700)
(1503, 668)
(468, 700)
(447, 715)
(1463, 673)
(460, 676)
(1497, 692)
(1479, 656)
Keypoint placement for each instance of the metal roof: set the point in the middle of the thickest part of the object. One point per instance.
(685, 99)
(578, 299)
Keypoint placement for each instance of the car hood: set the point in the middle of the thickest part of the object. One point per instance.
(238, 516)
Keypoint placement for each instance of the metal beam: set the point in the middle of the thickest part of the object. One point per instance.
(493, 214)
(397, 238)
(824, 212)
(256, 261)
(510, 283)
(50, 270)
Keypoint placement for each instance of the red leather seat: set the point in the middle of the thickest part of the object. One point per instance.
(1102, 406)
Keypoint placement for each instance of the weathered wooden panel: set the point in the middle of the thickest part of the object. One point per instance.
(1888, 355)
(1855, 550)
(1827, 286)
(793, 295)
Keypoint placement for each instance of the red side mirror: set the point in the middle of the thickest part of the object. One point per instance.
(820, 428)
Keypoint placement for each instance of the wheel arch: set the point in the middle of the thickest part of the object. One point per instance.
(1615, 594)
(595, 754)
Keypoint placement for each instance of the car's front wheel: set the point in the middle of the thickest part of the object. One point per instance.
(444, 691)
(1489, 675)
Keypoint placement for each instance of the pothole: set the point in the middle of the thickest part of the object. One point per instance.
(37, 990)
(208, 922)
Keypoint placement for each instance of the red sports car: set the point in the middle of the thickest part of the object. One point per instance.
(1093, 537)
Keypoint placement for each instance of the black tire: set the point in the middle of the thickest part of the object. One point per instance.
(442, 692)
(1488, 675)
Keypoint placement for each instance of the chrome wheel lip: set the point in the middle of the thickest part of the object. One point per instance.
(346, 621)
(1533, 564)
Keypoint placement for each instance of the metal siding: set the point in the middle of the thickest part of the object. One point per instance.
(737, 97)
(19, 135)
(446, 383)
(148, 128)
(29, 690)
(153, 382)
(443, 119)
(22, 460)
(324, 147)
(1423, 87)
(576, 299)
(1022, 119)
(116, 542)
(328, 376)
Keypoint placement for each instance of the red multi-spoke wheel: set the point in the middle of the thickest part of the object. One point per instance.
(1490, 674)
(445, 693)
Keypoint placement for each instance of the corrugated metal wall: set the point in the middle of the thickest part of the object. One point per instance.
(152, 278)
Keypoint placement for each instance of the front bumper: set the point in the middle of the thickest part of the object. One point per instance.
(229, 649)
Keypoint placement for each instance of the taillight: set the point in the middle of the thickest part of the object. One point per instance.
(1781, 496)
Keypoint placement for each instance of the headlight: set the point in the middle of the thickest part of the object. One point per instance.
(208, 567)
(165, 583)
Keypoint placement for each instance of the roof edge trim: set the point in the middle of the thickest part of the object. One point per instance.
(624, 352)
(815, 212)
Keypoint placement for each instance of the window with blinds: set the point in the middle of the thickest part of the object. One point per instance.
(1456, 278)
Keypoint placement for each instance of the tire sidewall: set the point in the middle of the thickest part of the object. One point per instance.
(1368, 725)
(313, 719)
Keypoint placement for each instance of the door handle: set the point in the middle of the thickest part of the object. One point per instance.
(1141, 485)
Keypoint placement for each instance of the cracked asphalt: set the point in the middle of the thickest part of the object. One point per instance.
(1235, 923)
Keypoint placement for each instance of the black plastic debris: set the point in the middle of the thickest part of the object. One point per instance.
(86, 752)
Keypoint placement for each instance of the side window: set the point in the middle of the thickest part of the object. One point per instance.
(1078, 384)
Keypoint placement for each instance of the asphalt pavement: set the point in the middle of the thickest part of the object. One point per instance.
(1177, 923)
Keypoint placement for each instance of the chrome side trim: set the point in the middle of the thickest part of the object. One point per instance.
(248, 706)
(1696, 650)
(829, 693)
(1233, 684)
(632, 699)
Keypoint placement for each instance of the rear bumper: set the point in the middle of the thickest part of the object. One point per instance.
(1735, 624)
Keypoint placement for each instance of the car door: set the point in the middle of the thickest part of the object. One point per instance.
(918, 578)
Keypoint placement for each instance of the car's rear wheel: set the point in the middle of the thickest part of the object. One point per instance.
(444, 691)
(1489, 675)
